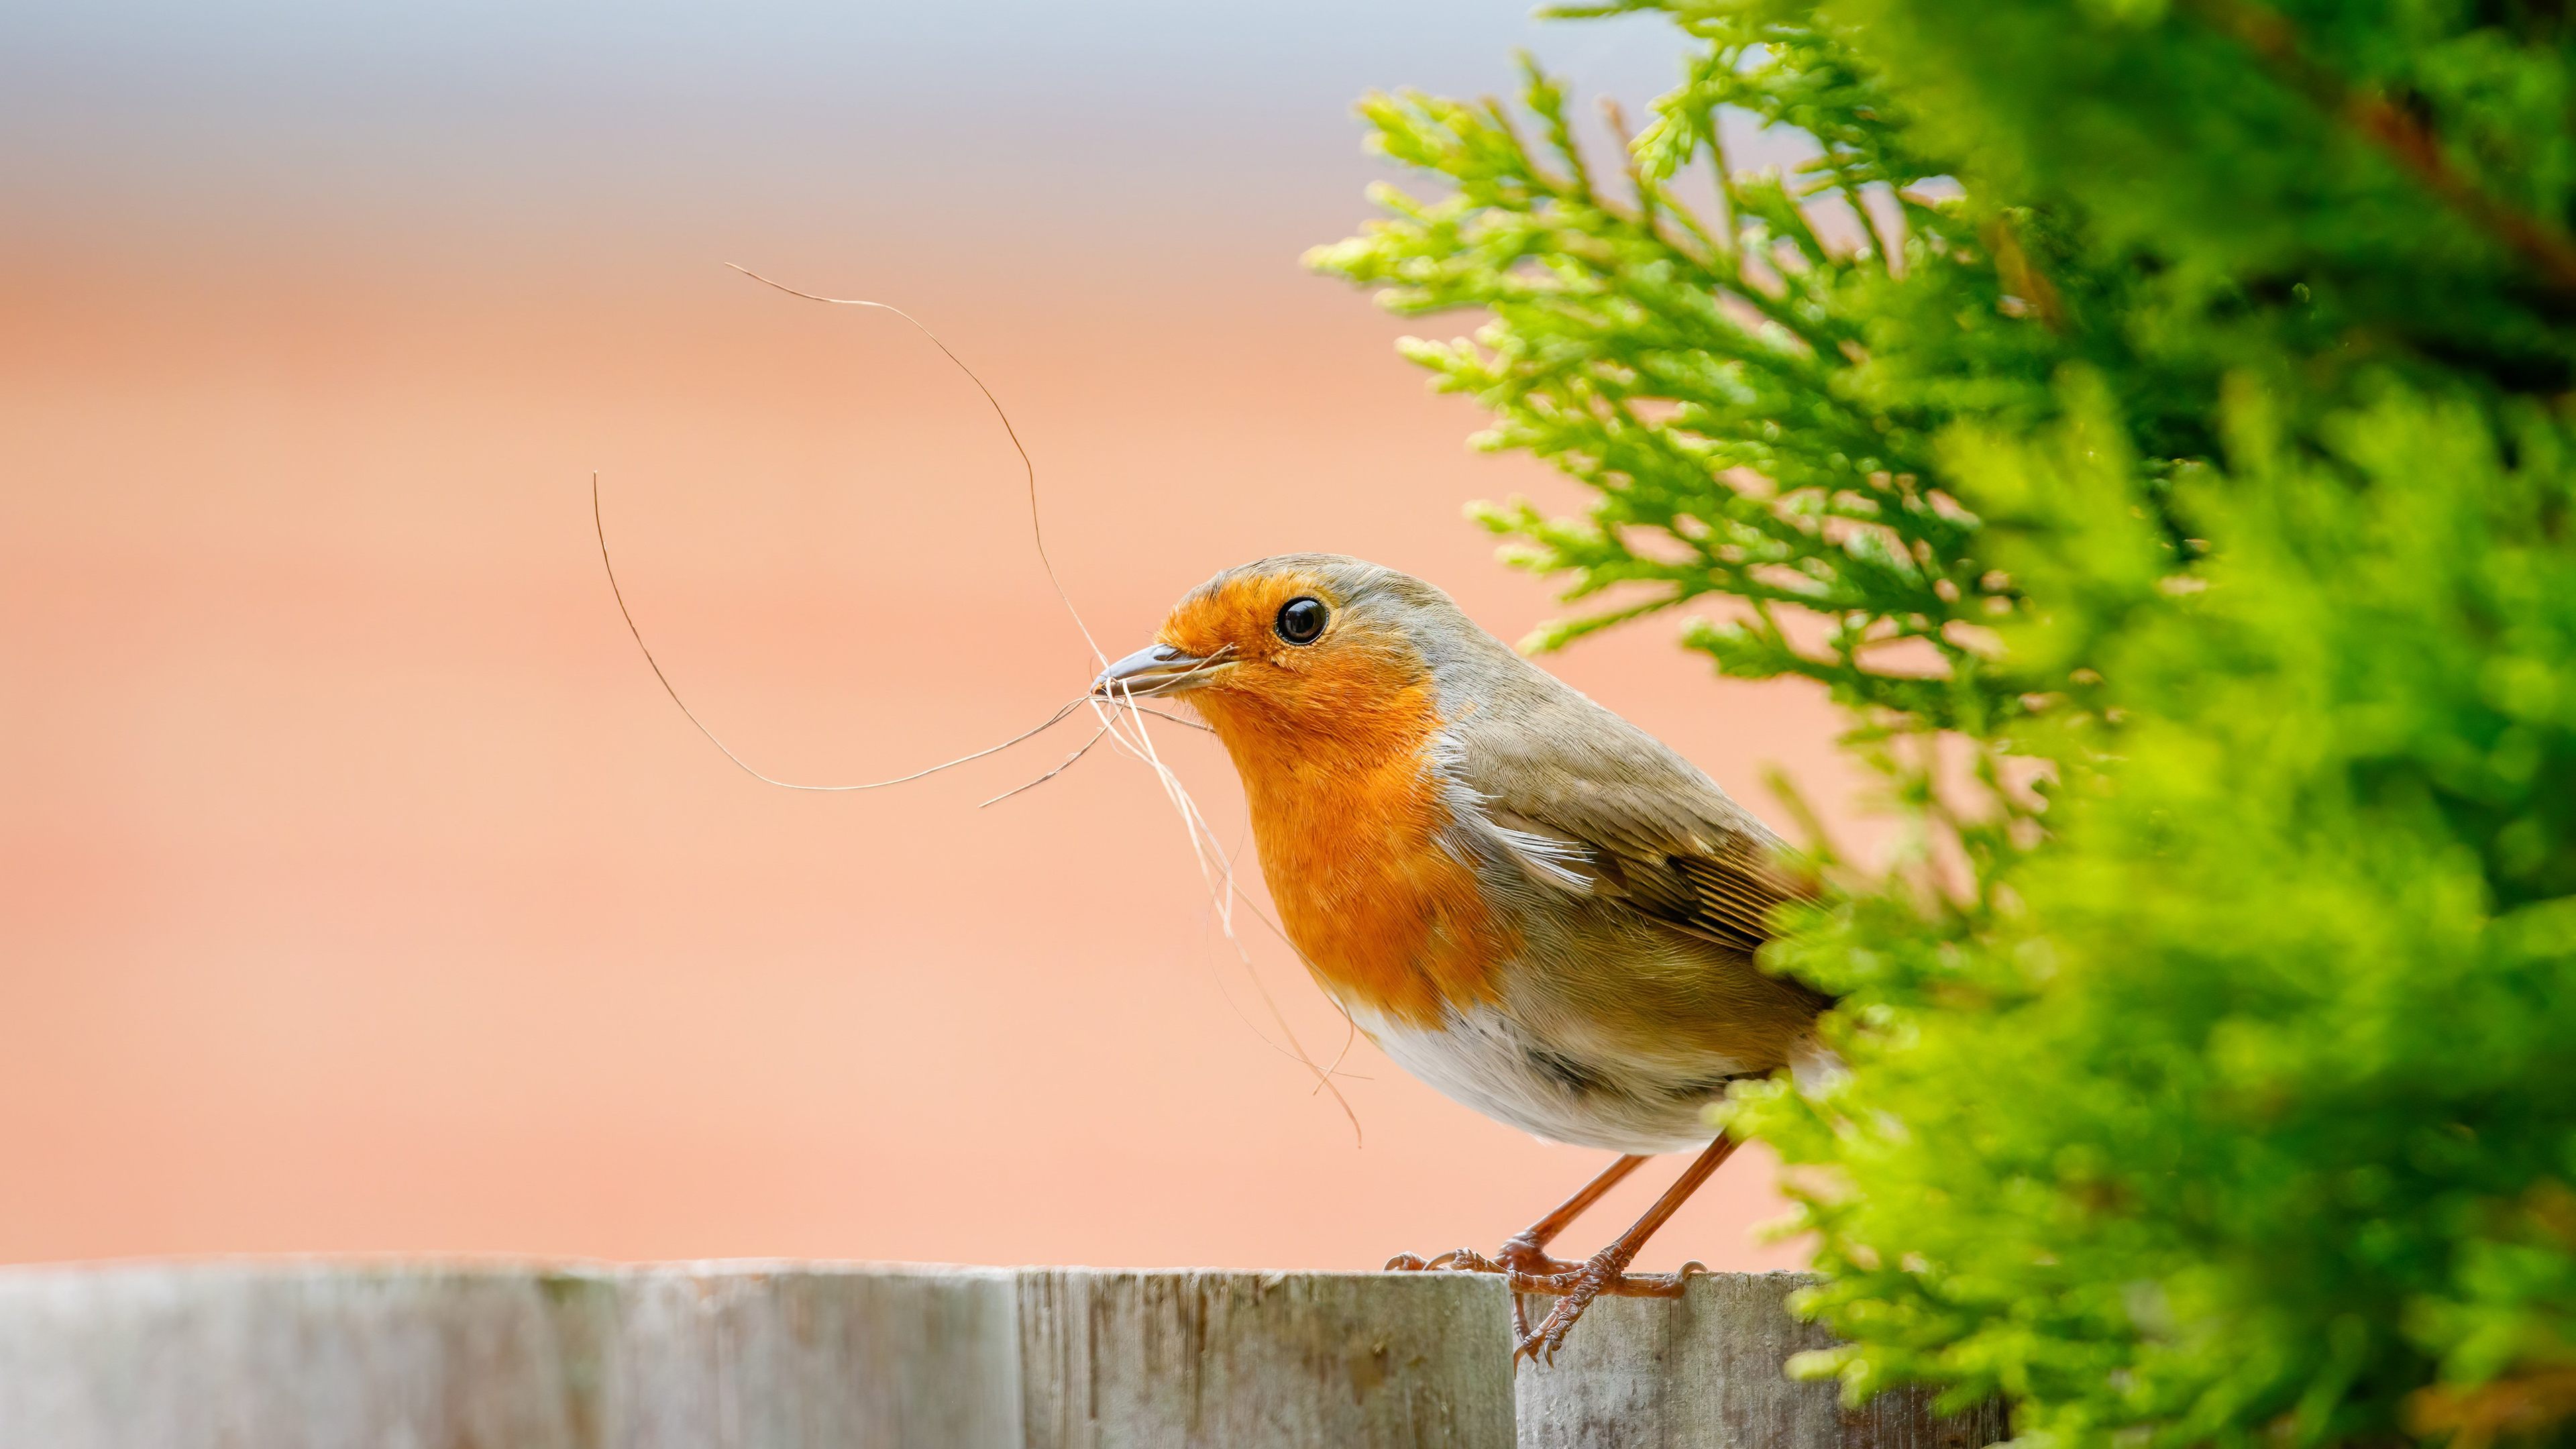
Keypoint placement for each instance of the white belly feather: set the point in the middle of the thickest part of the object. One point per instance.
(1485, 1060)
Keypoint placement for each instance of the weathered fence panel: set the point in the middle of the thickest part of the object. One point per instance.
(1702, 1371)
(730, 1355)
(1112, 1359)
(279, 1358)
(407, 1355)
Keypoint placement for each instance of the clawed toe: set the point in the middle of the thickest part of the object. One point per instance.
(1526, 1269)
(1522, 1256)
(1456, 1260)
(1516, 1262)
(1604, 1272)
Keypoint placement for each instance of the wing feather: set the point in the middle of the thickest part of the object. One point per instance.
(1627, 819)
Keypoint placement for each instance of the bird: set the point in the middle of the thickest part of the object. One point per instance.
(1522, 899)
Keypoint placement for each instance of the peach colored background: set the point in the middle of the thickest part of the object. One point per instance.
(358, 888)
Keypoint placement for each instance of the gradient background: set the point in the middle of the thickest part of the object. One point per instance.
(358, 888)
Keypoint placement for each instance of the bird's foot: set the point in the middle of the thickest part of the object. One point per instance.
(1524, 1254)
(1524, 1258)
(1519, 1256)
(1526, 1269)
(1576, 1287)
(1456, 1260)
(1520, 1261)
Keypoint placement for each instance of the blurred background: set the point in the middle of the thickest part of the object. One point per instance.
(359, 889)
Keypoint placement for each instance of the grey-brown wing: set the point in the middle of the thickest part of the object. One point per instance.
(1623, 818)
(1712, 883)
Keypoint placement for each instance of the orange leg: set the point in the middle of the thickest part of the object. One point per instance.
(1531, 1242)
(1526, 1249)
(1525, 1253)
(1607, 1270)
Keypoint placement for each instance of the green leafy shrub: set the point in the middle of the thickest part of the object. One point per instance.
(2198, 451)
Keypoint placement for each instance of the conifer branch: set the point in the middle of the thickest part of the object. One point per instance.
(2403, 137)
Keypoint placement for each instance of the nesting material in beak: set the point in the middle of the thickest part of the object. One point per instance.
(1159, 670)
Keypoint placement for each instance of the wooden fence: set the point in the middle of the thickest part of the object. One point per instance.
(409, 1355)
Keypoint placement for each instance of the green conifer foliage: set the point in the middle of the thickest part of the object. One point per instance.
(2206, 429)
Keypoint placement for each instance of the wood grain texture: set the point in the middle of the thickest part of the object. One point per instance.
(280, 1357)
(724, 1355)
(1212, 1360)
(408, 1355)
(1703, 1371)
(403, 1356)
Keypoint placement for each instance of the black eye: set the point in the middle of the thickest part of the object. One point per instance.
(1300, 620)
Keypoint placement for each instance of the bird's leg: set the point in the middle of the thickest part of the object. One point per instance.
(1526, 1250)
(1525, 1253)
(1607, 1270)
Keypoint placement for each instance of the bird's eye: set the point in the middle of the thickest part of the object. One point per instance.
(1301, 620)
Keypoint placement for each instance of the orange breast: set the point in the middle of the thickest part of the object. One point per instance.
(1348, 826)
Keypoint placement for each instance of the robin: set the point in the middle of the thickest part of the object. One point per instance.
(1527, 902)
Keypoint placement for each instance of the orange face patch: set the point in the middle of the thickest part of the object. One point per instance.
(1332, 739)
(1237, 614)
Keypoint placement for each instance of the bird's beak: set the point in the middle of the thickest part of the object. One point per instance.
(1160, 669)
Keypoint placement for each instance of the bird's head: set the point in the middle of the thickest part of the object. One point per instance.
(1314, 645)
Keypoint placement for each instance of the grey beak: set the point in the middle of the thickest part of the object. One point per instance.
(1159, 669)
